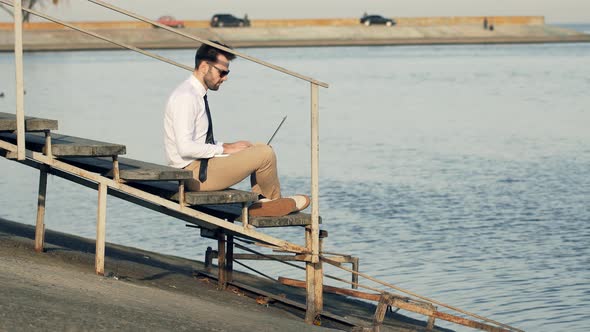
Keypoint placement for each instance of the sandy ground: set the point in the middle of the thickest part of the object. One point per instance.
(58, 290)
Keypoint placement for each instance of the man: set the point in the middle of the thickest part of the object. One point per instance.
(190, 143)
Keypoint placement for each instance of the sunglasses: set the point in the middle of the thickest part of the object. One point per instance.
(222, 73)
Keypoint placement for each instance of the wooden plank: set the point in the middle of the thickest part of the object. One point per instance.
(293, 219)
(8, 123)
(19, 82)
(402, 303)
(132, 170)
(41, 199)
(226, 196)
(63, 145)
(221, 262)
(332, 289)
(380, 312)
(101, 220)
(314, 275)
(215, 200)
(234, 212)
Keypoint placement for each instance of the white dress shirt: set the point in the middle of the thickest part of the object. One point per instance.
(185, 125)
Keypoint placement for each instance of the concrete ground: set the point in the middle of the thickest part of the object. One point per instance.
(58, 290)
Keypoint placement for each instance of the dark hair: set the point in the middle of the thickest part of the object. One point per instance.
(210, 53)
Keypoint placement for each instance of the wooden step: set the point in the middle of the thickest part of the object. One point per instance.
(8, 123)
(68, 146)
(234, 211)
(169, 190)
(131, 169)
(293, 219)
(224, 204)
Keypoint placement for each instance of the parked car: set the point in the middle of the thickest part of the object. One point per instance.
(228, 20)
(170, 21)
(377, 19)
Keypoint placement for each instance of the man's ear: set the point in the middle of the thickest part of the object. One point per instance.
(202, 68)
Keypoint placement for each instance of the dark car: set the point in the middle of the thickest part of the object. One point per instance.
(228, 20)
(377, 19)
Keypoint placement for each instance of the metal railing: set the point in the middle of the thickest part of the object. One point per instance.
(314, 270)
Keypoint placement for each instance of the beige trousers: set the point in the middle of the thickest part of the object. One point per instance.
(258, 161)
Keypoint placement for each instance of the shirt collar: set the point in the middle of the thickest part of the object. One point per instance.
(198, 86)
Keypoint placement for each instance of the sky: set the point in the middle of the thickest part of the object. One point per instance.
(555, 11)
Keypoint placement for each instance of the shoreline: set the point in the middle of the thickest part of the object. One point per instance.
(44, 39)
(141, 290)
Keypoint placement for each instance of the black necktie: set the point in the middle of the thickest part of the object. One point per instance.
(208, 140)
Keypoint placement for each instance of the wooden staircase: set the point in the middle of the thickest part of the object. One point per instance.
(98, 165)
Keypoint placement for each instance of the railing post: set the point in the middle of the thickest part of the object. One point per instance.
(101, 221)
(314, 273)
(41, 199)
(20, 91)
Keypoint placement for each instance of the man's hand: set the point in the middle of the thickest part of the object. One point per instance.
(230, 148)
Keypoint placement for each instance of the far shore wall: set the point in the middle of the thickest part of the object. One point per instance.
(401, 21)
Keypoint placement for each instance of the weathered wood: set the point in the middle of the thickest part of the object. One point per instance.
(226, 196)
(220, 203)
(229, 260)
(154, 202)
(64, 146)
(216, 201)
(314, 272)
(116, 174)
(181, 193)
(332, 289)
(282, 258)
(132, 170)
(314, 279)
(8, 123)
(19, 82)
(245, 216)
(404, 303)
(355, 276)
(380, 312)
(221, 262)
(293, 219)
(101, 218)
(40, 225)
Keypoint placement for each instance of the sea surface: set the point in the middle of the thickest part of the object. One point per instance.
(460, 173)
(581, 27)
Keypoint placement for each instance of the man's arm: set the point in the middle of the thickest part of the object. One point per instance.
(230, 148)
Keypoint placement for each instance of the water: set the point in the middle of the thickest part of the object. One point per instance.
(457, 172)
(582, 27)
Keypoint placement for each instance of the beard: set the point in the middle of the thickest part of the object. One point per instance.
(212, 84)
(213, 87)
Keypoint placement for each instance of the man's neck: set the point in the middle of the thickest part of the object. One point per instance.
(200, 79)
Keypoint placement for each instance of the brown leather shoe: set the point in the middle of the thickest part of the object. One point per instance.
(301, 202)
(275, 208)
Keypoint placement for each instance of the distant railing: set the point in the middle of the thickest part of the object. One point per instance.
(314, 274)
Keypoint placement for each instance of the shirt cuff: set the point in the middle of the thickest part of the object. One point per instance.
(219, 149)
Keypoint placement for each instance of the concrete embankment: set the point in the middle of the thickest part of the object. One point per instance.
(58, 291)
(277, 33)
